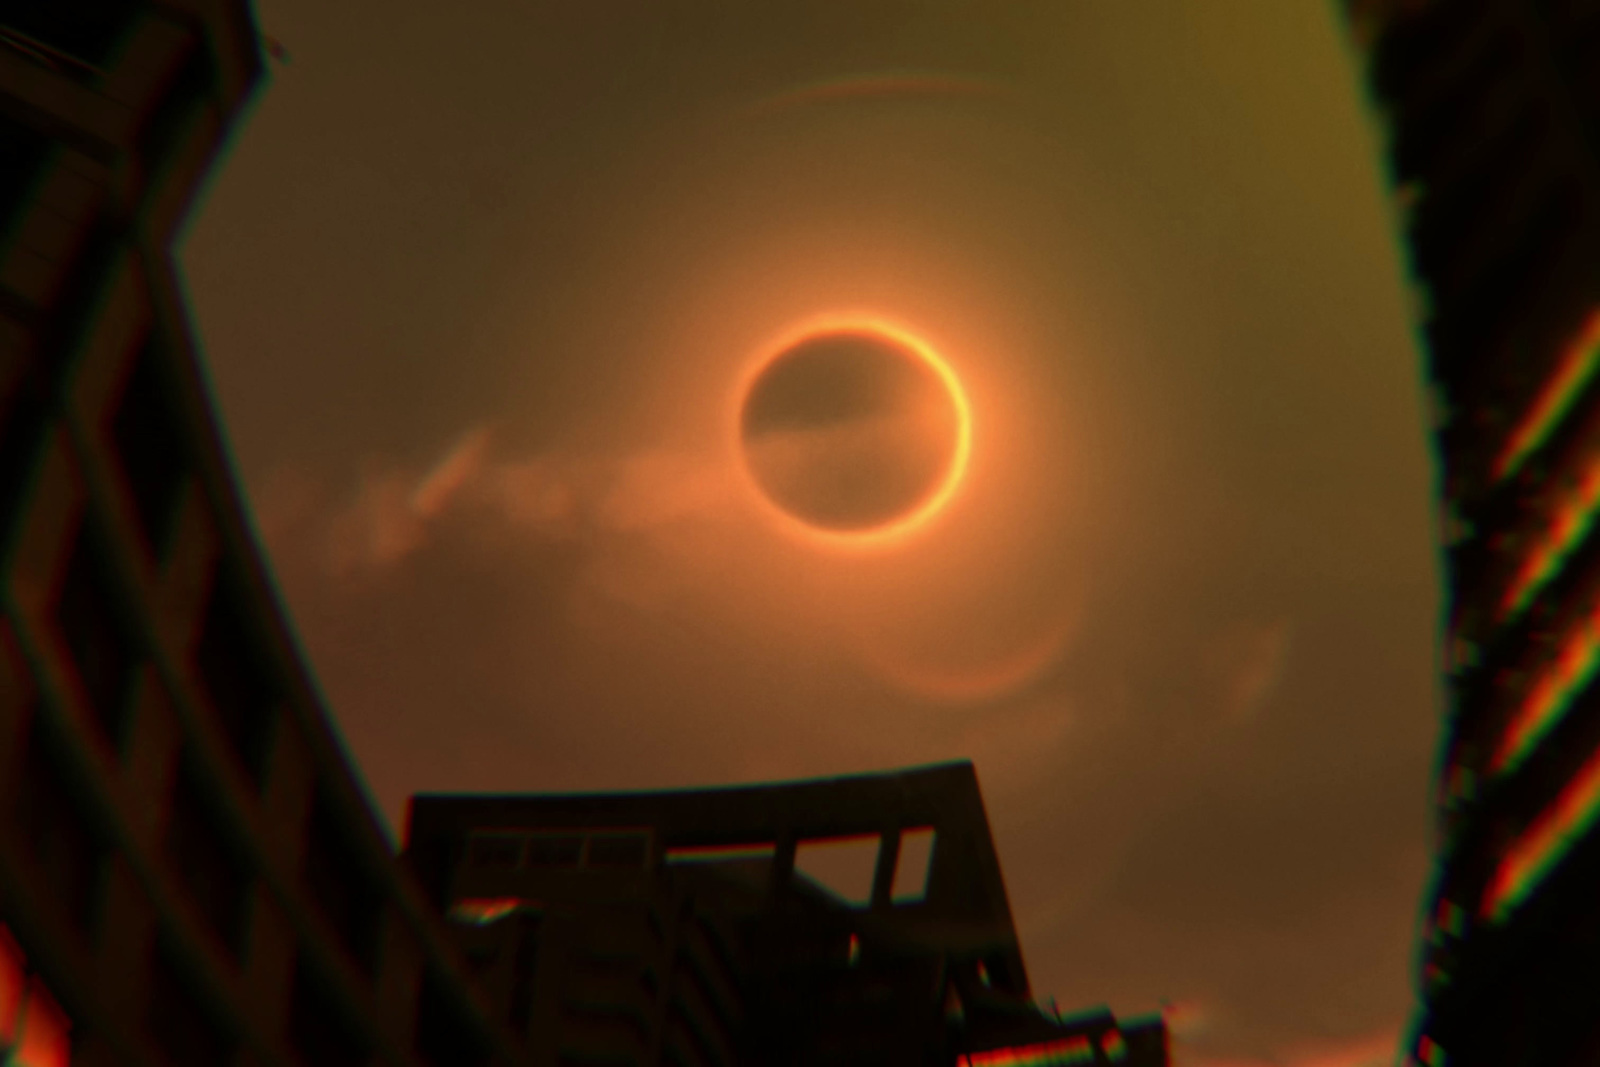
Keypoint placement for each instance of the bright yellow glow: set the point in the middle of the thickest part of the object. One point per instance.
(897, 531)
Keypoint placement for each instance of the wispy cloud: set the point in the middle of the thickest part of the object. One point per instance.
(392, 510)
(461, 464)
(1247, 662)
(655, 488)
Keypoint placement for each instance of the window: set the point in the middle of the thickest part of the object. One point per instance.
(68, 847)
(344, 888)
(238, 678)
(76, 305)
(841, 866)
(551, 850)
(23, 150)
(149, 439)
(628, 851)
(320, 1033)
(208, 861)
(194, 83)
(103, 643)
(495, 850)
(912, 866)
(182, 1027)
(25, 393)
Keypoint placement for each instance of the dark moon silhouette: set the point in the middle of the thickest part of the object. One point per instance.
(849, 430)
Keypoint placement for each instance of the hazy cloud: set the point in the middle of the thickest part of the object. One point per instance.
(1247, 662)
(391, 511)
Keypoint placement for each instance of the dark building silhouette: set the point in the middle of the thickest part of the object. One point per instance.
(1492, 114)
(189, 872)
(857, 920)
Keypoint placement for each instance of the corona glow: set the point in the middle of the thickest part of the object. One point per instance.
(872, 327)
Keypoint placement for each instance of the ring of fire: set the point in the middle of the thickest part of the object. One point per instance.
(877, 333)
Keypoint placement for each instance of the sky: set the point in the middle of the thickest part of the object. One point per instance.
(477, 288)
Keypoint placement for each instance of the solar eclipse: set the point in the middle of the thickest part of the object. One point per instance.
(853, 431)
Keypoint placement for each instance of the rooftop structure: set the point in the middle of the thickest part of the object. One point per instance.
(850, 920)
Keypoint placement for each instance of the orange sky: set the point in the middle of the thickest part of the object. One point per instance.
(477, 294)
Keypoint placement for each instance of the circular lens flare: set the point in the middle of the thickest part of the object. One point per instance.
(890, 334)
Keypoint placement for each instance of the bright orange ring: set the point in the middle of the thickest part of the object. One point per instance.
(897, 530)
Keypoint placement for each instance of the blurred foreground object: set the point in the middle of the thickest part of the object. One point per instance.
(1491, 114)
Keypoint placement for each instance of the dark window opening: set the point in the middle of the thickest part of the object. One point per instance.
(24, 407)
(350, 898)
(547, 851)
(321, 1034)
(93, 618)
(76, 305)
(148, 435)
(30, 388)
(23, 151)
(208, 861)
(68, 846)
(495, 850)
(244, 693)
(16, 686)
(184, 1029)
(88, 31)
(194, 83)
(446, 1034)
(23, 418)
(619, 850)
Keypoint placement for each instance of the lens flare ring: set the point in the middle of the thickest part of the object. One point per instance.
(897, 531)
